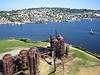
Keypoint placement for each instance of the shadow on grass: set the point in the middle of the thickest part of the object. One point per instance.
(42, 49)
(48, 62)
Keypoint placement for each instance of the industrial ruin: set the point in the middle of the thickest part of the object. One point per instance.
(58, 45)
(18, 64)
(29, 60)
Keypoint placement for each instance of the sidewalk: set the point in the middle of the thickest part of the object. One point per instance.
(13, 53)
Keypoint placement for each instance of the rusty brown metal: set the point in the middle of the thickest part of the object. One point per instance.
(23, 53)
(1, 73)
(33, 49)
(32, 64)
(24, 58)
(56, 33)
(33, 60)
(7, 64)
(20, 72)
(57, 45)
(51, 37)
(60, 37)
(19, 64)
(7, 57)
(45, 55)
(67, 50)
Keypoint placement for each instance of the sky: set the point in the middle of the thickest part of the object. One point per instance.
(6, 5)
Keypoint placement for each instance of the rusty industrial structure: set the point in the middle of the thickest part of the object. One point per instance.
(57, 45)
(24, 58)
(18, 64)
(7, 64)
(34, 60)
(29, 60)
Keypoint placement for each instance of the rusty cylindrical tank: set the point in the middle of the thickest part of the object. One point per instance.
(33, 49)
(23, 53)
(7, 57)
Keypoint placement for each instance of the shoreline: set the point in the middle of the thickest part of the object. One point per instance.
(86, 52)
(49, 21)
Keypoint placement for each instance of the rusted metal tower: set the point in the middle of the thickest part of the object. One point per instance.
(57, 45)
(60, 46)
(67, 49)
(24, 57)
(51, 40)
(33, 60)
(56, 33)
(8, 64)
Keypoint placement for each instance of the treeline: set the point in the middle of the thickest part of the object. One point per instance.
(58, 10)
(69, 10)
(93, 54)
(66, 10)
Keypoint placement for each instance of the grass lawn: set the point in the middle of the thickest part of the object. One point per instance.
(8, 45)
(82, 55)
(82, 58)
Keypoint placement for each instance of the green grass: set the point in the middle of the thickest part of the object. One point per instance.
(83, 55)
(7, 45)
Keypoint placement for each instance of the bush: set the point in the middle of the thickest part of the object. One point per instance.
(11, 38)
(48, 40)
(79, 47)
(27, 40)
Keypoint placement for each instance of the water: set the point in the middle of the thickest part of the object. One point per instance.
(75, 33)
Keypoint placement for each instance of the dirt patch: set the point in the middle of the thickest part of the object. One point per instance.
(89, 71)
(45, 68)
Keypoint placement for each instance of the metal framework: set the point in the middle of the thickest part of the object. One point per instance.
(11, 64)
(30, 60)
(57, 45)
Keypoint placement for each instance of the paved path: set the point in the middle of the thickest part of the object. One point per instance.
(66, 60)
(16, 52)
(13, 53)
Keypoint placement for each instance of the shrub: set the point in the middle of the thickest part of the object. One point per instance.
(48, 40)
(27, 40)
(79, 47)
